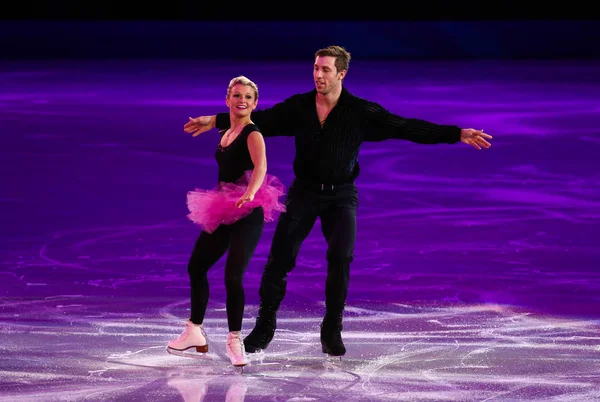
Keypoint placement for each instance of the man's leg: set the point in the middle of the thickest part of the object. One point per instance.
(338, 224)
(293, 227)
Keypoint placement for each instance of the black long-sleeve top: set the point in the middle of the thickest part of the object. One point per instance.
(329, 154)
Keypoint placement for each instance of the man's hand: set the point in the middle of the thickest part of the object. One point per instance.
(199, 125)
(475, 138)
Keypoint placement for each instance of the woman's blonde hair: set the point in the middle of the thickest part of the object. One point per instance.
(243, 81)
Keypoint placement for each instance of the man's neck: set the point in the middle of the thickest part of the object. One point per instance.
(331, 98)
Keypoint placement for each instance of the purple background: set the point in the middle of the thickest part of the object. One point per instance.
(476, 272)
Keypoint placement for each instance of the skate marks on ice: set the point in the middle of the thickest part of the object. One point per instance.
(444, 353)
(450, 352)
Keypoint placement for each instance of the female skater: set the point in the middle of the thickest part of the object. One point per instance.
(232, 216)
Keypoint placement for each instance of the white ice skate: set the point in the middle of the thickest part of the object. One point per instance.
(193, 336)
(235, 349)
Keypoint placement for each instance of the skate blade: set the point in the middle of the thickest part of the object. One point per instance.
(333, 358)
(258, 353)
(240, 368)
(333, 363)
(189, 353)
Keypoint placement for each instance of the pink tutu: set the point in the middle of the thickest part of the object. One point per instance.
(211, 208)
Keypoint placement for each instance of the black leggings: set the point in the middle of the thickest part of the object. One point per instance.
(241, 239)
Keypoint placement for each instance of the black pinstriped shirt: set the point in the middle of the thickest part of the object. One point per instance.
(329, 154)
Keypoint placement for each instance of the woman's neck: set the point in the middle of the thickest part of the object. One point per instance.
(237, 123)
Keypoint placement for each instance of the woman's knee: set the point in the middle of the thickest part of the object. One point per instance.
(197, 268)
(340, 257)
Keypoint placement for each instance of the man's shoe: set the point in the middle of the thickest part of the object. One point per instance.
(331, 341)
(261, 335)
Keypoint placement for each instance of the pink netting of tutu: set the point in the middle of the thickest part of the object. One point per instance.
(211, 208)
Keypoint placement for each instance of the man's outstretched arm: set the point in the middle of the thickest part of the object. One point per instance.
(272, 122)
(382, 124)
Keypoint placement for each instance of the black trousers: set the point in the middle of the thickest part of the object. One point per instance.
(337, 210)
(240, 239)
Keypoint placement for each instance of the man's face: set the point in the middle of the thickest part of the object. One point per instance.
(326, 75)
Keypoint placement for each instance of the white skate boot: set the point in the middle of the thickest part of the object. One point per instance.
(192, 337)
(235, 349)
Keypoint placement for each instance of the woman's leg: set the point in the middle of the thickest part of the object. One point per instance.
(245, 236)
